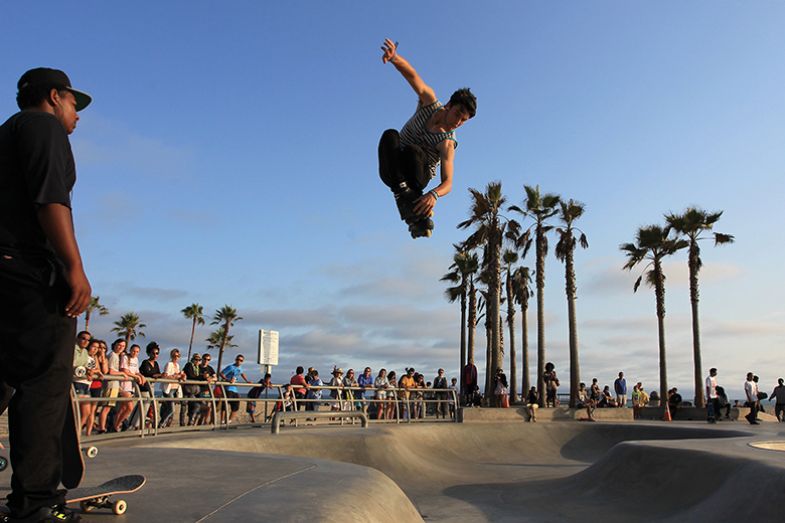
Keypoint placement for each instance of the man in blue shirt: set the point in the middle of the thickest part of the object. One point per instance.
(366, 382)
(620, 386)
(230, 374)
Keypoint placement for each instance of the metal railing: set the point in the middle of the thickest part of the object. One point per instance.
(215, 406)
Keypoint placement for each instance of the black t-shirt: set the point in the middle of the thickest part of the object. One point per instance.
(149, 370)
(206, 371)
(36, 168)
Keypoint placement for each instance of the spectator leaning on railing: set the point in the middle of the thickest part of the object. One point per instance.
(190, 410)
(171, 390)
(230, 374)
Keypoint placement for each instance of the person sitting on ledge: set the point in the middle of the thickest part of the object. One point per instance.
(532, 403)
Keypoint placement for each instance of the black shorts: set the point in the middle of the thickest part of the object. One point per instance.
(235, 405)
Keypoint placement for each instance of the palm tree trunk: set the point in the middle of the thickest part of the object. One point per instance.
(541, 314)
(660, 295)
(221, 348)
(696, 338)
(127, 338)
(488, 357)
(494, 291)
(472, 326)
(191, 343)
(511, 324)
(87, 320)
(575, 371)
(463, 334)
(525, 383)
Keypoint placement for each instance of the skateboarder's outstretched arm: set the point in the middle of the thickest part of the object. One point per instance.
(423, 90)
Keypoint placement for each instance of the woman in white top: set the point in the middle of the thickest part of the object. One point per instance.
(171, 390)
(113, 386)
(129, 366)
(381, 384)
(87, 408)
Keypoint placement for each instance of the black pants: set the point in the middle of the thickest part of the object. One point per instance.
(402, 164)
(36, 356)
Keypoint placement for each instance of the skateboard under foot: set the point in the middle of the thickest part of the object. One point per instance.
(91, 498)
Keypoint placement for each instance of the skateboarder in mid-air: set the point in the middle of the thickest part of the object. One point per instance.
(408, 159)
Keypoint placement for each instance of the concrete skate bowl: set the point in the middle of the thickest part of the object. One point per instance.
(548, 472)
(769, 445)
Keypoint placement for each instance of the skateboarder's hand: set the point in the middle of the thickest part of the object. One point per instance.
(389, 49)
(424, 204)
(80, 292)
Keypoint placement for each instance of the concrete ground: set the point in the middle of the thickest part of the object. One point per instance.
(511, 471)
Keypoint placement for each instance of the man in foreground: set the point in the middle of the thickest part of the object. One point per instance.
(43, 287)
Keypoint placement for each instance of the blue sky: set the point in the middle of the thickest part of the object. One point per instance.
(229, 157)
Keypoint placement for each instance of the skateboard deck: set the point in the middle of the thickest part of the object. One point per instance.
(91, 498)
(73, 459)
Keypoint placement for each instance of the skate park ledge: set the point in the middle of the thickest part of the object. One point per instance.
(520, 413)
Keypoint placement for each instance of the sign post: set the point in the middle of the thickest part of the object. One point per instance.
(268, 349)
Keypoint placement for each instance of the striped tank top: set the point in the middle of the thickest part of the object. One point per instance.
(415, 132)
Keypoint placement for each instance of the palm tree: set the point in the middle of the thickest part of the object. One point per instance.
(521, 286)
(195, 313)
(464, 265)
(652, 244)
(490, 230)
(510, 258)
(225, 316)
(93, 306)
(129, 327)
(565, 251)
(539, 207)
(218, 339)
(690, 225)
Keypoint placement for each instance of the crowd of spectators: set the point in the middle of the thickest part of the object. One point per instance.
(113, 376)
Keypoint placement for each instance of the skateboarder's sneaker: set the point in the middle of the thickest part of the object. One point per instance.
(45, 515)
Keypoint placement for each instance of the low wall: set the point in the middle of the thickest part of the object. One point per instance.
(488, 415)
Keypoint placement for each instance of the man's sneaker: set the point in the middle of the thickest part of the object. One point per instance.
(57, 513)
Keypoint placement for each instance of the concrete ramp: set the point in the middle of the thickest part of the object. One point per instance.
(549, 472)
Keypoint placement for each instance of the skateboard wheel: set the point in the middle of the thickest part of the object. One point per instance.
(86, 506)
(119, 507)
(3, 463)
(91, 452)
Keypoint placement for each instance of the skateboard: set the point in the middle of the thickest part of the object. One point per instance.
(73, 459)
(90, 452)
(91, 498)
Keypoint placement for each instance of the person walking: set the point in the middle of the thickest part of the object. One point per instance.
(43, 287)
(469, 382)
(779, 394)
(751, 391)
(713, 405)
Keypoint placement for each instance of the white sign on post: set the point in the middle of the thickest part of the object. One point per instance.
(268, 347)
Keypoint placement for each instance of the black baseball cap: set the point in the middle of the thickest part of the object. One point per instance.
(53, 78)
